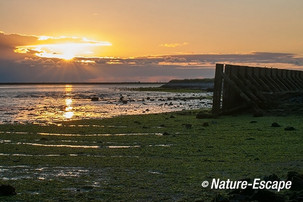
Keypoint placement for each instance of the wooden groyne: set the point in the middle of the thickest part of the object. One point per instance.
(242, 87)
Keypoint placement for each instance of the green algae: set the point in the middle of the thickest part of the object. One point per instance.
(229, 147)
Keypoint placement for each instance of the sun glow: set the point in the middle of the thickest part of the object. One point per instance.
(63, 47)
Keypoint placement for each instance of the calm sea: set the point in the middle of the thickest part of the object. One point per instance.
(48, 104)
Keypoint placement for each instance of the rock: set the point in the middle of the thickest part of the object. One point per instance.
(296, 179)
(87, 187)
(165, 133)
(258, 114)
(296, 196)
(94, 99)
(275, 124)
(289, 128)
(124, 101)
(7, 190)
(265, 196)
(272, 177)
(187, 125)
(248, 191)
(220, 198)
(170, 104)
(205, 124)
(204, 115)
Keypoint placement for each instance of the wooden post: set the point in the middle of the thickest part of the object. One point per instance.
(217, 89)
(275, 76)
(252, 87)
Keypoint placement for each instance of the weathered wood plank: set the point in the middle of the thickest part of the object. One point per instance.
(253, 86)
(216, 109)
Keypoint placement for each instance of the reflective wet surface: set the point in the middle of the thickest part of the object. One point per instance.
(46, 104)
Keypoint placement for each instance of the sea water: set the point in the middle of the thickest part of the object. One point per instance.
(48, 104)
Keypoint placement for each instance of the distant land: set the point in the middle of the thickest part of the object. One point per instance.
(206, 84)
(193, 84)
(76, 83)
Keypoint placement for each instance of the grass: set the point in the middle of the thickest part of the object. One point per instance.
(165, 167)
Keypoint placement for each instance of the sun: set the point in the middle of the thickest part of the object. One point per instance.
(66, 51)
(66, 48)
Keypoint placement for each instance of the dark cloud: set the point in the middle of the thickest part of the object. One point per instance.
(13, 40)
(8, 43)
(209, 60)
(17, 67)
(35, 69)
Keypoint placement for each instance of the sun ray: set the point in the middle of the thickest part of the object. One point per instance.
(63, 47)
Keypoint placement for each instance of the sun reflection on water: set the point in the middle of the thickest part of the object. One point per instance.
(68, 112)
(56, 103)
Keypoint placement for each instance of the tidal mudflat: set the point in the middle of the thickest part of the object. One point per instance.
(47, 104)
(145, 157)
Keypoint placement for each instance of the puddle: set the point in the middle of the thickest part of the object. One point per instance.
(161, 145)
(155, 172)
(57, 134)
(100, 134)
(31, 155)
(83, 126)
(40, 173)
(18, 133)
(61, 145)
(5, 141)
(71, 155)
(123, 147)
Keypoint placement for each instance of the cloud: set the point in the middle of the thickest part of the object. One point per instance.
(209, 60)
(173, 45)
(29, 67)
(8, 43)
(62, 47)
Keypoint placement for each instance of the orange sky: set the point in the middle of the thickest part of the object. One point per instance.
(144, 40)
(143, 27)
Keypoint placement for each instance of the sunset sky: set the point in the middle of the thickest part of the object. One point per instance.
(144, 40)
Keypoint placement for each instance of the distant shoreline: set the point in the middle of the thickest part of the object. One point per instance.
(183, 83)
(79, 83)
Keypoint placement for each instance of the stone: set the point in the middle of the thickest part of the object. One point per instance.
(94, 99)
(258, 114)
(296, 179)
(204, 115)
(165, 133)
(289, 128)
(205, 124)
(265, 196)
(275, 124)
(7, 190)
(272, 177)
(187, 125)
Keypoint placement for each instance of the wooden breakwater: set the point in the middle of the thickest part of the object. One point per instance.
(242, 87)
